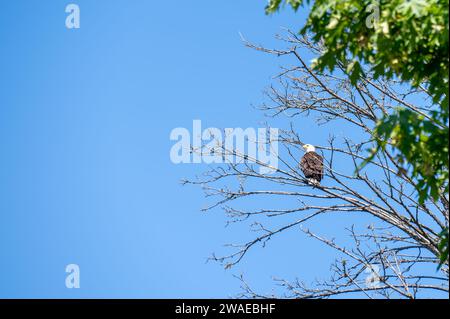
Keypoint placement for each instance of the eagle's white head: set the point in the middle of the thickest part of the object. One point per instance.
(309, 148)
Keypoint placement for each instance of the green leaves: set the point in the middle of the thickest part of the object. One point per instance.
(407, 39)
(355, 71)
(413, 7)
(274, 5)
(422, 146)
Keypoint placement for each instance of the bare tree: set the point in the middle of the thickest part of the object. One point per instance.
(397, 256)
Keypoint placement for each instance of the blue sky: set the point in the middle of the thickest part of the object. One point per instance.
(86, 178)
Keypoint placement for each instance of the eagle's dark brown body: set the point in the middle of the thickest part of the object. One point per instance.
(312, 166)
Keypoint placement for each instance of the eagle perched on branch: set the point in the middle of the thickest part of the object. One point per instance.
(312, 165)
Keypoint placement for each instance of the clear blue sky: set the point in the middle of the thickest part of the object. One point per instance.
(85, 174)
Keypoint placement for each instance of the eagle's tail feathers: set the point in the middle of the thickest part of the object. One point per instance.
(313, 181)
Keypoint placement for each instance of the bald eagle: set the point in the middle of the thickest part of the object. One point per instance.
(312, 165)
